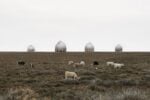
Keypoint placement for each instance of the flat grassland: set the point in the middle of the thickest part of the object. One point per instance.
(97, 82)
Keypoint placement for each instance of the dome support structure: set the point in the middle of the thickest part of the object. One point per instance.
(89, 47)
(60, 47)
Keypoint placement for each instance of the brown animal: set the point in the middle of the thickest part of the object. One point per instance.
(76, 65)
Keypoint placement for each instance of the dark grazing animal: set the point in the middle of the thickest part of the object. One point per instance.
(95, 63)
(21, 62)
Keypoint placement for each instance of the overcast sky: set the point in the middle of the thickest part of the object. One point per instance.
(105, 23)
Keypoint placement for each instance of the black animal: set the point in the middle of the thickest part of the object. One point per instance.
(21, 62)
(95, 63)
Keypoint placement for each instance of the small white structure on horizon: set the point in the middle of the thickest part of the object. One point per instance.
(60, 47)
(30, 48)
(118, 48)
(89, 47)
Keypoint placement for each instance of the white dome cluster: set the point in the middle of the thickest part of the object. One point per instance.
(31, 48)
(60, 47)
(118, 48)
(89, 47)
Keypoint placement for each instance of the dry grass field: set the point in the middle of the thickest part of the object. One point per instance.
(45, 80)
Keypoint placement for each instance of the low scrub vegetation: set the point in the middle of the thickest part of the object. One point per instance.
(95, 93)
(46, 80)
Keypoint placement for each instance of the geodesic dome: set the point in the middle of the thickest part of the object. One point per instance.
(118, 48)
(60, 47)
(30, 48)
(89, 47)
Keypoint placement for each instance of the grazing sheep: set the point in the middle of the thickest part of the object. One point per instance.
(118, 65)
(70, 62)
(82, 63)
(76, 65)
(69, 74)
(110, 63)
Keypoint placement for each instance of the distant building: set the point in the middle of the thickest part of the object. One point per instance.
(89, 47)
(60, 47)
(118, 48)
(30, 48)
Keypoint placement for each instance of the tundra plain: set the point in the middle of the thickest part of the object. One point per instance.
(46, 78)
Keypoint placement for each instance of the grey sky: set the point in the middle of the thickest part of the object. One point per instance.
(105, 23)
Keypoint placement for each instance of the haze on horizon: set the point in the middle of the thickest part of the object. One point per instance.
(105, 23)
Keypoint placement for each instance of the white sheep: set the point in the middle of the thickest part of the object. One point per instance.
(110, 63)
(70, 62)
(82, 63)
(118, 65)
(69, 74)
